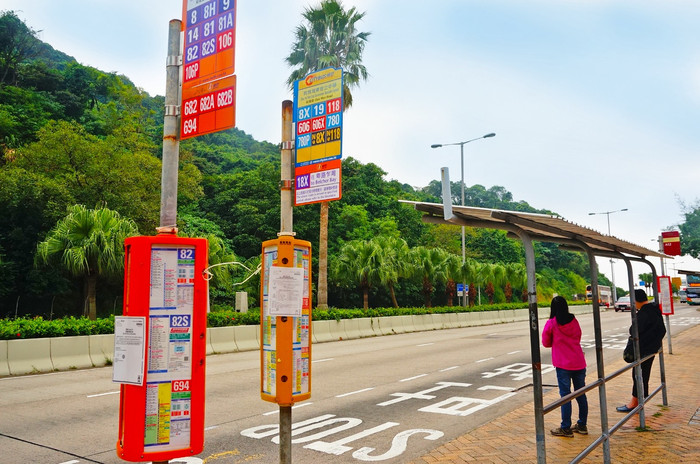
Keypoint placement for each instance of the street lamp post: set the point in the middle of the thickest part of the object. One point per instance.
(612, 269)
(461, 149)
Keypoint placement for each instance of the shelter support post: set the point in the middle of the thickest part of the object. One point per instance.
(534, 344)
(600, 363)
(635, 337)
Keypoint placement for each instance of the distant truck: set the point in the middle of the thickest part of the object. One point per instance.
(604, 295)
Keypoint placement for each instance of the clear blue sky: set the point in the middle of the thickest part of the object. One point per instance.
(596, 103)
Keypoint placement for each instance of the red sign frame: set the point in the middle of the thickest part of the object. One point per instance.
(173, 389)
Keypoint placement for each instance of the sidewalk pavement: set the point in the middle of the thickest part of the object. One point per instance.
(672, 436)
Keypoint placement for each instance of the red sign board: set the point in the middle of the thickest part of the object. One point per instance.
(672, 243)
(317, 182)
(208, 83)
(161, 417)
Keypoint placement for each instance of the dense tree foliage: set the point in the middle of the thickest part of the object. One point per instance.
(690, 231)
(73, 135)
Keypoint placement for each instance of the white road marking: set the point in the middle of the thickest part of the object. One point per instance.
(413, 378)
(515, 352)
(352, 393)
(322, 360)
(103, 394)
(448, 368)
(425, 344)
(483, 360)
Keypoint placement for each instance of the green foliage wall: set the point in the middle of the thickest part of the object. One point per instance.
(72, 134)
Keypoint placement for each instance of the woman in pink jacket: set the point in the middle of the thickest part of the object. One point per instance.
(563, 334)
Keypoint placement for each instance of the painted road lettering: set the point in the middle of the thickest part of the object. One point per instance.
(398, 446)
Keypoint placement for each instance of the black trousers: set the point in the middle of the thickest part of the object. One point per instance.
(646, 372)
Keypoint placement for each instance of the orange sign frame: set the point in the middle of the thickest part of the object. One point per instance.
(285, 347)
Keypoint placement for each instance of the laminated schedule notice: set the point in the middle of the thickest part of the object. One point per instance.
(129, 348)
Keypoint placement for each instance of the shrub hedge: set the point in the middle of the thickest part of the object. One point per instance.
(220, 316)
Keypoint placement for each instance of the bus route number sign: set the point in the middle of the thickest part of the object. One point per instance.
(318, 117)
(208, 83)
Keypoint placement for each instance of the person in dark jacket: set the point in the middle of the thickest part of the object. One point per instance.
(651, 328)
(562, 333)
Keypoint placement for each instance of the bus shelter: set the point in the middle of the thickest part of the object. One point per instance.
(530, 227)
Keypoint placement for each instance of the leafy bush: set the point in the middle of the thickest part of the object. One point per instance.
(37, 327)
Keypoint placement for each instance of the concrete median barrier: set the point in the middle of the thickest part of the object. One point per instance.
(337, 329)
(70, 353)
(210, 349)
(390, 325)
(421, 322)
(222, 339)
(101, 349)
(247, 337)
(366, 327)
(35, 355)
(4, 366)
(29, 356)
(321, 331)
(451, 320)
(352, 329)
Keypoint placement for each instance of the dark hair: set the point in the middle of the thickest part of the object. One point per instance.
(640, 296)
(559, 308)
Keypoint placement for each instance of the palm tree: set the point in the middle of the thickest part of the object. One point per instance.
(328, 39)
(392, 260)
(357, 264)
(470, 274)
(453, 273)
(429, 267)
(516, 277)
(498, 279)
(484, 275)
(87, 243)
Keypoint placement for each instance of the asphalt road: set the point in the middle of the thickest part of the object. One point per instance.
(386, 399)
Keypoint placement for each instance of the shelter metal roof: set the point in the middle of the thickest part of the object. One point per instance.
(541, 227)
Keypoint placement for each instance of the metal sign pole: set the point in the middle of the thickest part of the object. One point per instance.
(286, 228)
(171, 142)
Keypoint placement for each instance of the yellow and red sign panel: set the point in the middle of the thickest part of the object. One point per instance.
(318, 125)
(208, 83)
